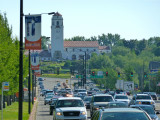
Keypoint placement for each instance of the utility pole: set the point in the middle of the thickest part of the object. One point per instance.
(85, 69)
(32, 86)
(29, 85)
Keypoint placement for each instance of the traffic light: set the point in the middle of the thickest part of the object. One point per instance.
(93, 73)
(131, 74)
(145, 74)
(119, 74)
(106, 73)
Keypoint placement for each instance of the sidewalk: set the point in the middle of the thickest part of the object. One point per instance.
(33, 113)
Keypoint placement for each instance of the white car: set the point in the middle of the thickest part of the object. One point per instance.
(68, 108)
(82, 91)
(122, 98)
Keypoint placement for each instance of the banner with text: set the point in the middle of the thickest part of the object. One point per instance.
(33, 32)
(35, 61)
(37, 73)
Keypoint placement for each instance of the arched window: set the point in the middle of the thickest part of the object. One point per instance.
(81, 56)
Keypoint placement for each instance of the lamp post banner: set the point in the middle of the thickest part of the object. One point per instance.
(33, 32)
(37, 73)
(35, 61)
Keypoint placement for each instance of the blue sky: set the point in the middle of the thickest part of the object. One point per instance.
(131, 19)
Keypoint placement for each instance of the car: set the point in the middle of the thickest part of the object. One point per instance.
(98, 101)
(40, 79)
(148, 109)
(69, 108)
(48, 91)
(43, 92)
(82, 91)
(152, 94)
(117, 104)
(52, 104)
(122, 98)
(90, 93)
(142, 99)
(111, 93)
(118, 91)
(47, 99)
(120, 114)
(87, 100)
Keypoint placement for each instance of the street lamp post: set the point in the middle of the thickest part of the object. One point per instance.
(20, 105)
(20, 111)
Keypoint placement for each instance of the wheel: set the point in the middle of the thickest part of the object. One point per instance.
(51, 112)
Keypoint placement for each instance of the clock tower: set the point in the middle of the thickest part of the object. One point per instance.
(57, 46)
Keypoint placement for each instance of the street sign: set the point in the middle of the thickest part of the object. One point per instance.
(119, 84)
(5, 86)
(128, 85)
(100, 73)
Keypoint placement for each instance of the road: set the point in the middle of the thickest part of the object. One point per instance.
(43, 110)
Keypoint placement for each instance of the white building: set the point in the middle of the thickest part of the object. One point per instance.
(71, 50)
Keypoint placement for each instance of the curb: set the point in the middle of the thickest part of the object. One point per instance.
(34, 110)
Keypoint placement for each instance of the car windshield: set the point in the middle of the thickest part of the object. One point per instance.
(87, 99)
(143, 97)
(81, 90)
(121, 97)
(124, 116)
(103, 99)
(69, 103)
(49, 96)
(149, 110)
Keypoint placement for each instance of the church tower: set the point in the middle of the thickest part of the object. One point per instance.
(57, 45)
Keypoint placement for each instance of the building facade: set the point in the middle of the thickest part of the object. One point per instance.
(69, 50)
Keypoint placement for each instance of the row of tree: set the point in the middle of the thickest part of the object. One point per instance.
(9, 57)
(127, 56)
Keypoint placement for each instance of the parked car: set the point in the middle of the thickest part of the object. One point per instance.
(120, 114)
(69, 108)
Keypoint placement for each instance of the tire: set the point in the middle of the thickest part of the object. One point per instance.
(51, 112)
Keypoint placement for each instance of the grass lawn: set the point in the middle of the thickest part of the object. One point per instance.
(11, 112)
(57, 76)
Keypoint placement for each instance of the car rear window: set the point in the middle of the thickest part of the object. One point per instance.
(124, 116)
(103, 99)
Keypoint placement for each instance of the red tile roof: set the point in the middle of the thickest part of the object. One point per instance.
(81, 44)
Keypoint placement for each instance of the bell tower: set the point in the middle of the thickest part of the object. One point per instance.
(57, 45)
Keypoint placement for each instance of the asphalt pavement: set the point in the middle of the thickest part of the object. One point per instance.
(43, 110)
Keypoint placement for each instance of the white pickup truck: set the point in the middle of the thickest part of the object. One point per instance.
(69, 108)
